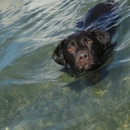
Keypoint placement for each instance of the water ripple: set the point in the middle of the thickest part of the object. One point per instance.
(32, 82)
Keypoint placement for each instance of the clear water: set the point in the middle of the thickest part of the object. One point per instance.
(34, 94)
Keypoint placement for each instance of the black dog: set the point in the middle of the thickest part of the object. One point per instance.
(85, 49)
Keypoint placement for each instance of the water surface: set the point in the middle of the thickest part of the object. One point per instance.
(34, 94)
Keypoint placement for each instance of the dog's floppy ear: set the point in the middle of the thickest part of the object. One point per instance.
(58, 55)
(102, 36)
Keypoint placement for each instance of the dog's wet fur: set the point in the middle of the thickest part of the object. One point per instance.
(85, 49)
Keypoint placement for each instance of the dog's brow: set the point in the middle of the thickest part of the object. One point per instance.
(72, 42)
(101, 44)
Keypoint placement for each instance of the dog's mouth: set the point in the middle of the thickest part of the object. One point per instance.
(84, 66)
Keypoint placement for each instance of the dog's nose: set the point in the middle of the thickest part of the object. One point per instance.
(82, 56)
(83, 59)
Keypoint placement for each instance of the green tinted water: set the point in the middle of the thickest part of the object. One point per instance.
(34, 94)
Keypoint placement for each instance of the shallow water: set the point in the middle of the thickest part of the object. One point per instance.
(34, 94)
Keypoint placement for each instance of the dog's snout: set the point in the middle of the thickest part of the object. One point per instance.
(82, 56)
(83, 59)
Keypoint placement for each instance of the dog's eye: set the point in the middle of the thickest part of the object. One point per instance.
(71, 48)
(88, 41)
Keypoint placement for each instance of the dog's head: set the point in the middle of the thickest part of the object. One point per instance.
(82, 51)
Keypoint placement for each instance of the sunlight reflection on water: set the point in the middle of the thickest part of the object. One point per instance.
(34, 94)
